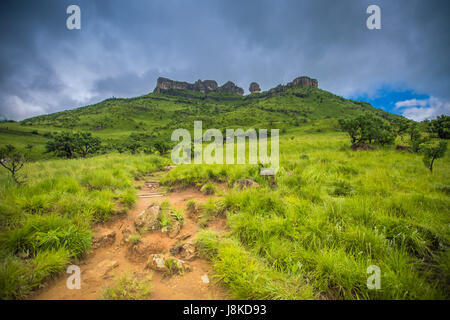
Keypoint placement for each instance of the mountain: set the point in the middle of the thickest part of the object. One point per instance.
(173, 104)
(298, 105)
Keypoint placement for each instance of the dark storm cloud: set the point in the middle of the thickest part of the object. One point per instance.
(124, 46)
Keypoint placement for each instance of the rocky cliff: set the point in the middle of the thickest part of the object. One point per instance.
(205, 86)
(303, 82)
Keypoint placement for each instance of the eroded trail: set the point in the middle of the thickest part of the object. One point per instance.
(112, 255)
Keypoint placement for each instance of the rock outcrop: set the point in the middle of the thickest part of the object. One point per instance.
(303, 82)
(147, 220)
(231, 88)
(206, 86)
(254, 87)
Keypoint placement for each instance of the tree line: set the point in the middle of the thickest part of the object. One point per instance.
(367, 128)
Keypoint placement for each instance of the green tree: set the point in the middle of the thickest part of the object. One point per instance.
(63, 144)
(68, 144)
(431, 152)
(441, 126)
(86, 144)
(401, 126)
(368, 128)
(13, 160)
(416, 137)
(161, 146)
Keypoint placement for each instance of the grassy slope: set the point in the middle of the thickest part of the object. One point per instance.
(333, 214)
(48, 221)
(159, 114)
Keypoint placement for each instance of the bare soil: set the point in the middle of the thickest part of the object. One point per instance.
(113, 256)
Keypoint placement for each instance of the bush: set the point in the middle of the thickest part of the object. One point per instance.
(431, 152)
(441, 126)
(68, 144)
(368, 128)
(12, 160)
(129, 287)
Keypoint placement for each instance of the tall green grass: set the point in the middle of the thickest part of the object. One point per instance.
(47, 222)
(332, 214)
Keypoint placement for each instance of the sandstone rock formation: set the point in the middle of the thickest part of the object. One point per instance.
(206, 86)
(231, 88)
(303, 82)
(254, 87)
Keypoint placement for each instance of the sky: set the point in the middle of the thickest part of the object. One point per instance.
(124, 46)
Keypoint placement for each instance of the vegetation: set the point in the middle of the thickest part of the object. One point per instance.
(329, 218)
(441, 126)
(368, 128)
(129, 287)
(12, 160)
(432, 152)
(311, 232)
(134, 238)
(47, 222)
(67, 144)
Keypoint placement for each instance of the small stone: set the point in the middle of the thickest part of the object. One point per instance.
(104, 240)
(106, 266)
(205, 278)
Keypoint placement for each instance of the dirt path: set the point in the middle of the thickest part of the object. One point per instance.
(113, 256)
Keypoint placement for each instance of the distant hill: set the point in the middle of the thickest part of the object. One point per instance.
(177, 104)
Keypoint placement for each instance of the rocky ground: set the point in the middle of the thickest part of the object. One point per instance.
(169, 256)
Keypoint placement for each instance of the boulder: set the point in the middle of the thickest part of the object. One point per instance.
(184, 250)
(254, 88)
(148, 220)
(246, 183)
(166, 264)
(174, 229)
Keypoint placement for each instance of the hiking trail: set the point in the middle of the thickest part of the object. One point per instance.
(111, 255)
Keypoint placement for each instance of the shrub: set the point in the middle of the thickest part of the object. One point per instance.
(129, 287)
(12, 160)
(134, 238)
(368, 128)
(431, 152)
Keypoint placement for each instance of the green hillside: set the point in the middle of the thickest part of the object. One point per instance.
(158, 114)
(310, 232)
